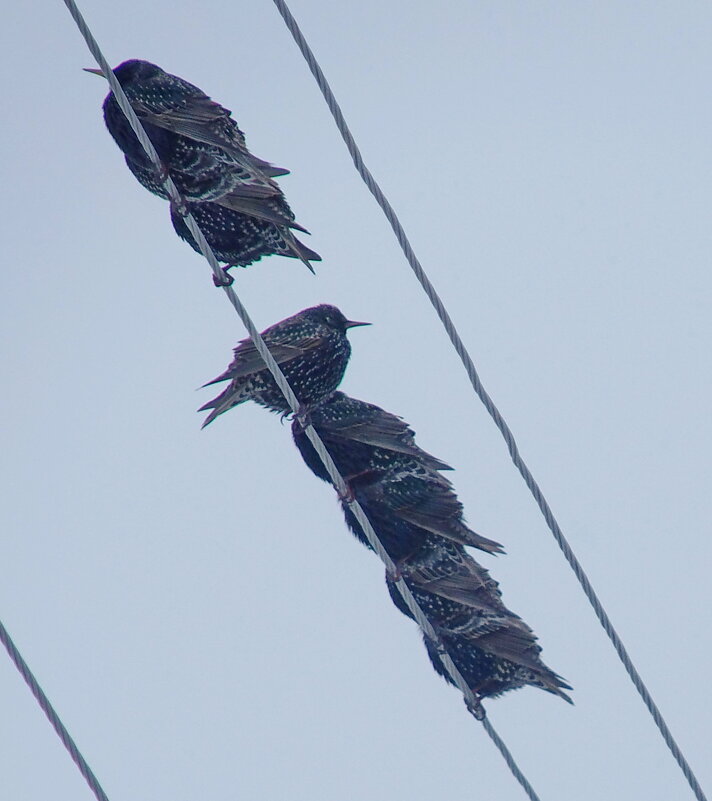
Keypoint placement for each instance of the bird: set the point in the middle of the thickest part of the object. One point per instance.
(493, 648)
(239, 239)
(410, 497)
(199, 145)
(360, 437)
(311, 348)
(397, 484)
(405, 505)
(489, 674)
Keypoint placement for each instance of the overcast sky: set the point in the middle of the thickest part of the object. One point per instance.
(191, 600)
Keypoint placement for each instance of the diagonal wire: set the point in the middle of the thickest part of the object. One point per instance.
(489, 404)
(471, 700)
(53, 717)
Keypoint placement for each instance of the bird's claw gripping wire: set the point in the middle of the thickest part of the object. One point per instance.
(225, 280)
(476, 710)
(395, 575)
(303, 416)
(347, 496)
(179, 206)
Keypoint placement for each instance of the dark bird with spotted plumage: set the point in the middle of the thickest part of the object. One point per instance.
(312, 349)
(408, 502)
(361, 438)
(200, 146)
(419, 521)
(238, 239)
(397, 483)
(494, 649)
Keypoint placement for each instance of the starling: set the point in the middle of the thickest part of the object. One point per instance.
(396, 482)
(200, 146)
(239, 239)
(397, 536)
(405, 505)
(361, 438)
(489, 674)
(414, 494)
(311, 348)
(493, 648)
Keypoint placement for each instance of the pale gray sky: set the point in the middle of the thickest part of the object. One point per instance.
(192, 601)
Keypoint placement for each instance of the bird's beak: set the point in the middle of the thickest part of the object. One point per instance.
(354, 324)
(94, 71)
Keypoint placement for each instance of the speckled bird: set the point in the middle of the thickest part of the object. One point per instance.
(198, 143)
(311, 348)
(239, 239)
(361, 438)
(488, 673)
(493, 648)
(405, 505)
(421, 497)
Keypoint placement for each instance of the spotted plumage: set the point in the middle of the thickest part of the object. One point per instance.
(405, 505)
(411, 493)
(361, 438)
(419, 521)
(493, 648)
(488, 674)
(200, 146)
(397, 483)
(239, 239)
(311, 348)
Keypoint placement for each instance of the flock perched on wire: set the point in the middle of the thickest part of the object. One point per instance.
(411, 505)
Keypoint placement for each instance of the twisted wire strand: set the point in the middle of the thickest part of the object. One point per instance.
(487, 401)
(52, 716)
(471, 701)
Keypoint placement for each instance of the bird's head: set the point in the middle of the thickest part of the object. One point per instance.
(333, 317)
(132, 70)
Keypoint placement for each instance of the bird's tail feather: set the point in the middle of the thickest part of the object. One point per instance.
(484, 544)
(302, 252)
(224, 401)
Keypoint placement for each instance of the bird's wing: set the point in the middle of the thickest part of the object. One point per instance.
(439, 511)
(385, 431)
(265, 204)
(203, 120)
(197, 117)
(430, 504)
(515, 641)
(248, 360)
(268, 168)
(449, 571)
(470, 590)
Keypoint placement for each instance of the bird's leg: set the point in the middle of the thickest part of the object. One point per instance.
(347, 496)
(476, 709)
(162, 173)
(226, 279)
(361, 474)
(303, 415)
(178, 207)
(396, 574)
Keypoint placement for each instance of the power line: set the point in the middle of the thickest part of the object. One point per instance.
(489, 404)
(471, 700)
(52, 716)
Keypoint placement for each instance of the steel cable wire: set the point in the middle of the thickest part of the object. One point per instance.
(487, 401)
(471, 700)
(52, 715)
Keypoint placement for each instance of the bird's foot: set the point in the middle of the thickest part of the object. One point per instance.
(396, 574)
(347, 496)
(475, 708)
(368, 474)
(303, 415)
(225, 280)
(178, 207)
